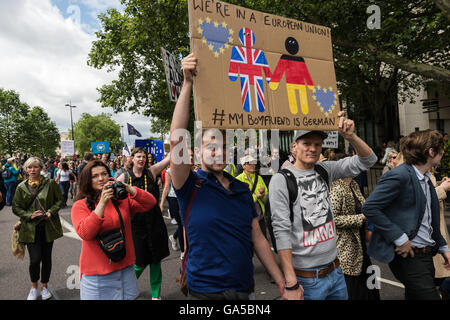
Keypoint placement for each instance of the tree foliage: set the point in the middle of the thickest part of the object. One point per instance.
(95, 129)
(25, 130)
(41, 136)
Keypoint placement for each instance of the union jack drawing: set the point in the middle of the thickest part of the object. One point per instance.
(248, 64)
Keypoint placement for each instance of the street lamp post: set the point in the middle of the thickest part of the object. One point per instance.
(71, 123)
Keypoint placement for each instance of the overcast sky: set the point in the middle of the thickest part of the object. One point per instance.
(44, 46)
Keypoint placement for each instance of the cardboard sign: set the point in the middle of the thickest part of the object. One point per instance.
(331, 141)
(174, 75)
(67, 147)
(261, 71)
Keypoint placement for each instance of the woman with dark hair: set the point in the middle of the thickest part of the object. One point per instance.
(93, 213)
(149, 229)
(63, 178)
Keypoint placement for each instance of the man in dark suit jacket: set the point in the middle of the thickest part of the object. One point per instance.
(404, 210)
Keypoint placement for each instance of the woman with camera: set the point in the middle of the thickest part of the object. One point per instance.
(101, 216)
(36, 202)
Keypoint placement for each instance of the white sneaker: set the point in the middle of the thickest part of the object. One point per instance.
(45, 294)
(156, 298)
(33, 294)
(173, 221)
(174, 243)
(182, 256)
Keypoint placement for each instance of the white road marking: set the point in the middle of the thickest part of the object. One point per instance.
(393, 283)
(72, 233)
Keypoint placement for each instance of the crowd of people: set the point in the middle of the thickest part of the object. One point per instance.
(312, 212)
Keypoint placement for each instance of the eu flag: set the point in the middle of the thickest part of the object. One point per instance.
(132, 131)
(100, 147)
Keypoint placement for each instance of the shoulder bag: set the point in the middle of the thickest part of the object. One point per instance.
(112, 242)
(183, 283)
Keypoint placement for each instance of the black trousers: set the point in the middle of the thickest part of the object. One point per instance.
(417, 275)
(40, 252)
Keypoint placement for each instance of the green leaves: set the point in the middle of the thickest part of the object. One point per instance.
(24, 130)
(370, 64)
(95, 129)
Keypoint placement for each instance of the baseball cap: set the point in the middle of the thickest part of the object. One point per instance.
(300, 133)
(247, 159)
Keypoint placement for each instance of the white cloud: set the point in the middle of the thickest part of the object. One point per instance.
(43, 57)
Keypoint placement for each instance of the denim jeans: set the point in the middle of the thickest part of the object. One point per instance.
(117, 285)
(10, 191)
(331, 287)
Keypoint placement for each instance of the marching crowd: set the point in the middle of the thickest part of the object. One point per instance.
(312, 213)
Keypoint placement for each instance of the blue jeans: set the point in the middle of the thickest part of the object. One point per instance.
(10, 190)
(117, 285)
(331, 287)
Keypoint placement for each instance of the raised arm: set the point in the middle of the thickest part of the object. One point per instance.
(178, 129)
(159, 167)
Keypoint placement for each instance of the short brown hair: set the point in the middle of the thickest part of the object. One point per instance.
(415, 147)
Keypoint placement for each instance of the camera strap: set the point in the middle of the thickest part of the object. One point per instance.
(114, 202)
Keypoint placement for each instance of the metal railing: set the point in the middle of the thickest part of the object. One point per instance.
(373, 176)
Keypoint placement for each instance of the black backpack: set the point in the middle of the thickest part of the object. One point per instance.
(6, 174)
(292, 187)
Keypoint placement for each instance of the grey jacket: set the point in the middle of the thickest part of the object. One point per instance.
(312, 235)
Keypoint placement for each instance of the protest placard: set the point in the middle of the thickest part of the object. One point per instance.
(67, 147)
(331, 141)
(261, 71)
(174, 75)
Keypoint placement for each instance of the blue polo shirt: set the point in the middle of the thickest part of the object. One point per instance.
(219, 232)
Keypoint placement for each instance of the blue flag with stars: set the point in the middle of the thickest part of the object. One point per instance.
(155, 147)
(132, 131)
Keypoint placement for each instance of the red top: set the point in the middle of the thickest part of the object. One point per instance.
(296, 72)
(87, 224)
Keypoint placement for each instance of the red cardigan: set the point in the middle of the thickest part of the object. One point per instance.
(87, 224)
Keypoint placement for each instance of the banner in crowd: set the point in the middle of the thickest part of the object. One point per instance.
(331, 141)
(126, 150)
(155, 147)
(174, 74)
(261, 71)
(100, 147)
(67, 147)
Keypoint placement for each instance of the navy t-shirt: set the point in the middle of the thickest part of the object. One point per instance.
(219, 232)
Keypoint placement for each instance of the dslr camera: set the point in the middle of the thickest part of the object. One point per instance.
(120, 191)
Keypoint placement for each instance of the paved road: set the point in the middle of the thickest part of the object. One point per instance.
(15, 283)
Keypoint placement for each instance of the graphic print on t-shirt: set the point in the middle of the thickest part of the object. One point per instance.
(317, 219)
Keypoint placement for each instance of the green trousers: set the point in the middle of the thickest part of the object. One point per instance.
(155, 277)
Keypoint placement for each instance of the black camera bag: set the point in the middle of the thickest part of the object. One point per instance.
(112, 242)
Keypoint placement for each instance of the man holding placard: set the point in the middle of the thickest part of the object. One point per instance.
(221, 224)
